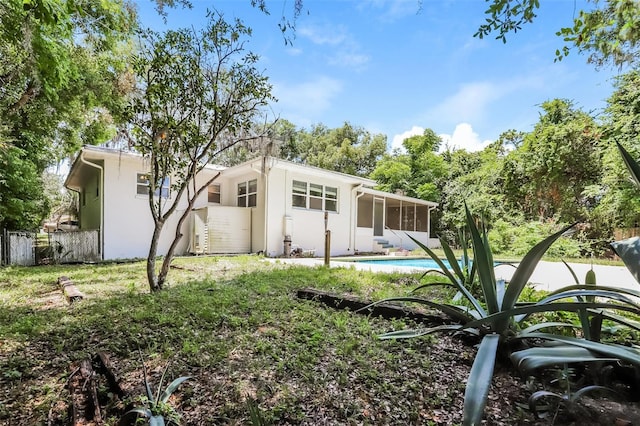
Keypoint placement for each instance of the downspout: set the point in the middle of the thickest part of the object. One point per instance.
(266, 203)
(353, 216)
(101, 169)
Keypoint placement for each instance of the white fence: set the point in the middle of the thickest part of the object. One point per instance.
(75, 246)
(29, 248)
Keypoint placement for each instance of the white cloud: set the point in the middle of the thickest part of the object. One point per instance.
(463, 137)
(397, 140)
(344, 50)
(303, 102)
(472, 100)
(323, 34)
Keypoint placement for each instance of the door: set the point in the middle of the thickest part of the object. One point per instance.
(378, 217)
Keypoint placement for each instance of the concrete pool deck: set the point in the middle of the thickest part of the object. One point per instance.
(548, 276)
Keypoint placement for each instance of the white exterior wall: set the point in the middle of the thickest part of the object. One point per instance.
(307, 225)
(128, 224)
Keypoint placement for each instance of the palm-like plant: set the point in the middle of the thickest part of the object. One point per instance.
(155, 408)
(496, 317)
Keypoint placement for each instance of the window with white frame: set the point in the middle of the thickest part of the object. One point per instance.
(314, 196)
(142, 186)
(248, 193)
(213, 193)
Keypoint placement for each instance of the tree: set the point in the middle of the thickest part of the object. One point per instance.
(416, 173)
(287, 25)
(198, 94)
(609, 33)
(561, 157)
(474, 179)
(62, 80)
(347, 149)
(619, 205)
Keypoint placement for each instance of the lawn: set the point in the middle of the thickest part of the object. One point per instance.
(236, 328)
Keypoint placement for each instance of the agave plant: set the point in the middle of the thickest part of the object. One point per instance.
(496, 317)
(155, 409)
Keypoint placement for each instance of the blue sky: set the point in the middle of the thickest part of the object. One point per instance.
(395, 68)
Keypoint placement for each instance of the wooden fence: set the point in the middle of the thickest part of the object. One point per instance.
(30, 248)
(624, 233)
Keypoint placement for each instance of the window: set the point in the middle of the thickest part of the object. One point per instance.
(314, 196)
(213, 193)
(299, 194)
(248, 193)
(142, 186)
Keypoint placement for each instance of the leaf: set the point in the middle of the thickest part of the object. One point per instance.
(481, 258)
(632, 165)
(413, 333)
(533, 401)
(538, 357)
(621, 352)
(526, 267)
(629, 251)
(172, 387)
(454, 312)
(460, 286)
(479, 382)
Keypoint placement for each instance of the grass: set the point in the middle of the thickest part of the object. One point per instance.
(236, 327)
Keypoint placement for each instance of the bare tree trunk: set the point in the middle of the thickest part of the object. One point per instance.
(152, 277)
(166, 263)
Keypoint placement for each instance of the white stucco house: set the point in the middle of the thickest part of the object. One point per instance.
(249, 208)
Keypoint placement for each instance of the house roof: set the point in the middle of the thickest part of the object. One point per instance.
(260, 164)
(384, 194)
(94, 154)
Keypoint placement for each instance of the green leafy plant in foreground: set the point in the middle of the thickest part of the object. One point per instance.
(495, 316)
(155, 408)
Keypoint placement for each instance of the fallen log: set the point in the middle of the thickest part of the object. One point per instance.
(101, 359)
(69, 289)
(384, 310)
(85, 409)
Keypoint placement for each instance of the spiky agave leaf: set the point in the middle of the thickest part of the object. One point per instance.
(479, 382)
(538, 357)
(461, 314)
(482, 258)
(172, 388)
(412, 333)
(623, 353)
(629, 251)
(458, 284)
(523, 311)
(526, 267)
(632, 165)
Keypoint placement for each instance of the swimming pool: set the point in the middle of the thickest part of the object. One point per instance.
(414, 263)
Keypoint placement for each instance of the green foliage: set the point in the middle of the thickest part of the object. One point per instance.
(198, 94)
(155, 408)
(63, 78)
(619, 204)
(347, 149)
(417, 173)
(609, 32)
(506, 237)
(474, 179)
(494, 314)
(21, 203)
(547, 176)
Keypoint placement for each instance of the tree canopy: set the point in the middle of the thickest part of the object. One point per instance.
(609, 33)
(63, 80)
(198, 93)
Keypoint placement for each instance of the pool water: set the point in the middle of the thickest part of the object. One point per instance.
(414, 263)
